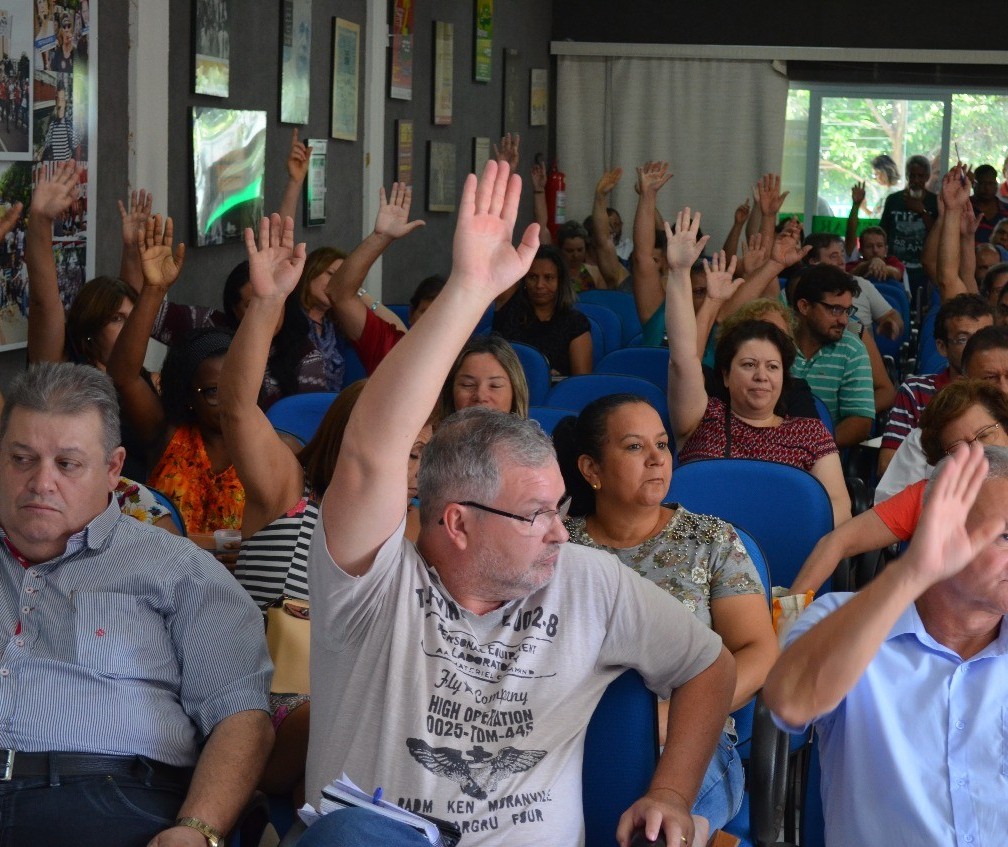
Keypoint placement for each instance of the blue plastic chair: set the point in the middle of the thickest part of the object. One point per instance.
(650, 363)
(354, 369)
(929, 360)
(401, 311)
(824, 414)
(548, 417)
(537, 372)
(620, 754)
(622, 303)
(576, 392)
(301, 414)
(598, 341)
(173, 512)
(608, 321)
(784, 508)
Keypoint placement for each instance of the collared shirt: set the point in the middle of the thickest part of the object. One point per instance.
(911, 400)
(133, 642)
(908, 465)
(839, 374)
(917, 752)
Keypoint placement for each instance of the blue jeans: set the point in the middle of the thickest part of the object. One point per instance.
(84, 811)
(720, 795)
(356, 827)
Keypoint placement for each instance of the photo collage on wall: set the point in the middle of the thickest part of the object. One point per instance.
(45, 105)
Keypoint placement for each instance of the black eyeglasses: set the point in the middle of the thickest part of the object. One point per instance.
(539, 521)
(980, 435)
(209, 394)
(836, 311)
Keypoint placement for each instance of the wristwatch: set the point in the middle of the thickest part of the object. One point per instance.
(212, 836)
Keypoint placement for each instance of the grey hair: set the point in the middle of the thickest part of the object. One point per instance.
(920, 160)
(64, 388)
(997, 461)
(463, 459)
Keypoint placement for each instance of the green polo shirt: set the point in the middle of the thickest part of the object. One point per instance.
(840, 375)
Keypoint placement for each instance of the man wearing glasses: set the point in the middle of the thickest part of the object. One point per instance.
(833, 361)
(459, 674)
(906, 681)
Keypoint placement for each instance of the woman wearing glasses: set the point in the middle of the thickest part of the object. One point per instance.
(617, 464)
(754, 360)
(62, 58)
(965, 411)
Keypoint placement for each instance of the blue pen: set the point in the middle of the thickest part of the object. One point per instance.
(377, 796)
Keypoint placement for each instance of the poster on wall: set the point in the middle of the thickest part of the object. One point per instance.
(481, 153)
(538, 96)
(345, 81)
(514, 93)
(444, 63)
(47, 116)
(212, 34)
(440, 176)
(401, 77)
(404, 151)
(483, 58)
(229, 165)
(295, 60)
(315, 192)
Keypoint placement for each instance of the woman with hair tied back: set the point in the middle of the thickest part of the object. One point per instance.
(753, 359)
(617, 464)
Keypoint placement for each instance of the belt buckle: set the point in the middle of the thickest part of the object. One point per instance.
(6, 765)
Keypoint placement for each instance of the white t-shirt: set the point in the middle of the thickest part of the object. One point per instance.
(480, 720)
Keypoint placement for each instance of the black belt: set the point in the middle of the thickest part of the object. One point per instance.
(17, 765)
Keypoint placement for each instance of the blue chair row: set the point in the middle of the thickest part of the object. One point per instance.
(301, 414)
(929, 360)
(620, 302)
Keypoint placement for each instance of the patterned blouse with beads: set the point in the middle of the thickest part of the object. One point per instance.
(695, 558)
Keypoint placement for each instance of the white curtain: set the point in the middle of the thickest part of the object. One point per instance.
(720, 125)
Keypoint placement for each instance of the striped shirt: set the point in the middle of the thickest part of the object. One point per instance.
(133, 642)
(61, 140)
(273, 563)
(839, 374)
(911, 399)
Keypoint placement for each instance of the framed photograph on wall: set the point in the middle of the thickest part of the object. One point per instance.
(483, 40)
(315, 191)
(295, 60)
(404, 151)
(212, 35)
(229, 168)
(401, 74)
(444, 65)
(345, 79)
(538, 96)
(514, 93)
(440, 176)
(481, 153)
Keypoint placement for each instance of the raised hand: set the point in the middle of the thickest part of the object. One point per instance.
(955, 190)
(969, 223)
(508, 150)
(134, 219)
(651, 176)
(721, 280)
(755, 255)
(393, 213)
(483, 257)
(607, 182)
(785, 250)
(53, 196)
(683, 246)
(297, 158)
(857, 194)
(742, 212)
(276, 263)
(876, 269)
(768, 195)
(161, 267)
(539, 177)
(10, 218)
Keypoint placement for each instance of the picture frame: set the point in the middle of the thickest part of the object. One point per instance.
(480, 153)
(440, 176)
(444, 69)
(404, 151)
(345, 79)
(212, 47)
(401, 70)
(295, 61)
(538, 96)
(315, 184)
(483, 22)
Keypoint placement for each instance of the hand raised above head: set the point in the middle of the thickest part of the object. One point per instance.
(685, 245)
(135, 218)
(508, 150)
(275, 263)
(53, 196)
(955, 190)
(483, 257)
(393, 212)
(720, 273)
(607, 182)
(160, 266)
(297, 158)
(651, 176)
(742, 212)
(538, 177)
(755, 254)
(858, 194)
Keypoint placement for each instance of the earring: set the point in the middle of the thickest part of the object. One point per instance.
(595, 486)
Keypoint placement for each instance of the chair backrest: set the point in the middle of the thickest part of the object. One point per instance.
(301, 414)
(598, 341)
(401, 311)
(622, 303)
(354, 367)
(485, 324)
(621, 751)
(576, 392)
(537, 372)
(929, 360)
(824, 413)
(173, 512)
(650, 363)
(548, 417)
(784, 508)
(608, 321)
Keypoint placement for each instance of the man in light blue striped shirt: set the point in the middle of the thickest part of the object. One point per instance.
(131, 656)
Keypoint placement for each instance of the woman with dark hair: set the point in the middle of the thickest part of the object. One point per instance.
(61, 60)
(282, 490)
(617, 464)
(486, 373)
(539, 311)
(753, 359)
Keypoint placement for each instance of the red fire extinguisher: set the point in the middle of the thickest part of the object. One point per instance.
(556, 199)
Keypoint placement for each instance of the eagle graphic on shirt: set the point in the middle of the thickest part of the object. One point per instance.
(477, 771)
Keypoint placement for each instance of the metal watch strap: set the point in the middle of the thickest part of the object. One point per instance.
(213, 837)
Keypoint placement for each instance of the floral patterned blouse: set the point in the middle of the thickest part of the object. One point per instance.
(136, 501)
(695, 558)
(206, 501)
